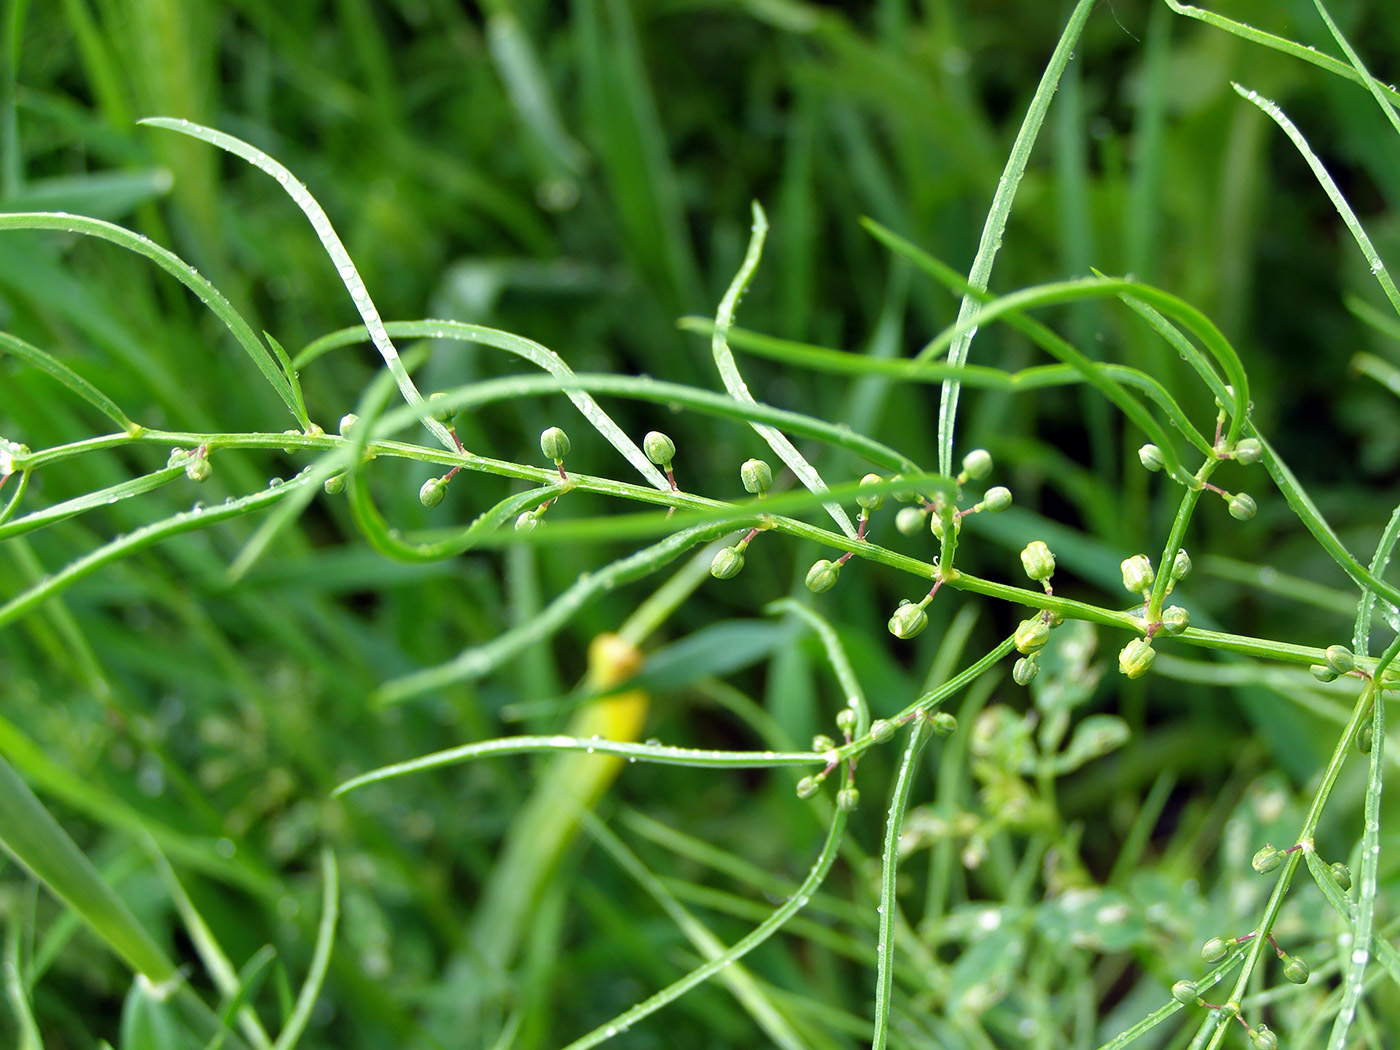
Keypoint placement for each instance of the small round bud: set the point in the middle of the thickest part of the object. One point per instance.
(1185, 992)
(1136, 657)
(808, 786)
(1340, 659)
(935, 525)
(1323, 673)
(909, 521)
(1296, 970)
(1025, 669)
(1214, 949)
(1031, 635)
(977, 463)
(197, 468)
(554, 443)
(526, 522)
(881, 730)
(757, 476)
(944, 724)
(908, 620)
(1038, 561)
(873, 500)
(1263, 1038)
(442, 415)
(1248, 450)
(997, 499)
(1242, 506)
(1150, 456)
(821, 743)
(821, 577)
(659, 448)
(1181, 565)
(728, 563)
(846, 720)
(1363, 739)
(1266, 860)
(847, 799)
(335, 485)
(348, 423)
(430, 495)
(1341, 873)
(1137, 574)
(1175, 619)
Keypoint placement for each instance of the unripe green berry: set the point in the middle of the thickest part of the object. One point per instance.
(757, 476)
(1266, 860)
(1038, 560)
(727, 563)
(1181, 565)
(808, 786)
(1296, 970)
(1340, 659)
(1214, 949)
(944, 724)
(821, 743)
(908, 620)
(1242, 506)
(1248, 450)
(1263, 1038)
(1025, 669)
(1341, 873)
(335, 485)
(847, 799)
(1175, 619)
(347, 424)
(660, 449)
(430, 495)
(555, 444)
(1031, 635)
(821, 577)
(977, 463)
(1150, 456)
(846, 720)
(881, 730)
(997, 499)
(909, 521)
(1323, 673)
(1137, 574)
(526, 522)
(873, 500)
(1185, 992)
(1136, 657)
(197, 468)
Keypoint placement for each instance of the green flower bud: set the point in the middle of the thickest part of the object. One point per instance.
(846, 720)
(1038, 561)
(659, 448)
(197, 468)
(555, 445)
(335, 485)
(757, 476)
(1150, 456)
(1341, 873)
(442, 415)
(1214, 949)
(1263, 1038)
(1181, 565)
(1323, 673)
(847, 799)
(1185, 992)
(821, 743)
(881, 730)
(1137, 574)
(1175, 619)
(874, 500)
(1340, 659)
(909, 521)
(430, 495)
(1136, 657)
(1025, 669)
(908, 620)
(1266, 860)
(808, 786)
(1031, 635)
(997, 499)
(348, 423)
(1242, 506)
(1296, 970)
(727, 563)
(935, 525)
(1363, 739)
(821, 577)
(977, 463)
(944, 724)
(1248, 450)
(526, 522)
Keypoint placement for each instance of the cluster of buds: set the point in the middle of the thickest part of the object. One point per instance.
(1337, 661)
(1139, 577)
(1188, 994)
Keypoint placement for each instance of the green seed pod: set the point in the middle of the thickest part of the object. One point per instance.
(1175, 619)
(1137, 574)
(1266, 860)
(1296, 970)
(347, 424)
(909, 521)
(1025, 669)
(197, 468)
(871, 501)
(944, 724)
(1248, 450)
(335, 485)
(908, 620)
(1136, 657)
(442, 415)
(846, 720)
(660, 449)
(430, 495)
(808, 786)
(1263, 1038)
(977, 463)
(1181, 565)
(997, 499)
(1038, 561)
(1363, 739)
(847, 799)
(1341, 873)
(1150, 456)
(555, 444)
(1031, 635)
(821, 743)
(1185, 992)
(1214, 949)
(821, 577)
(526, 522)
(1340, 659)
(881, 730)
(1242, 506)
(728, 563)
(757, 476)
(1323, 673)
